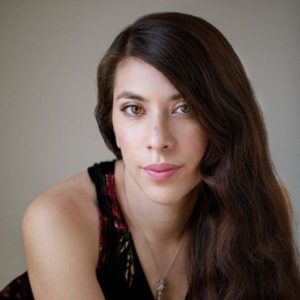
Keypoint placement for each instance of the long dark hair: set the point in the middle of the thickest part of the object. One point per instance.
(242, 246)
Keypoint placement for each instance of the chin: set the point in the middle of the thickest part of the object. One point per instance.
(170, 195)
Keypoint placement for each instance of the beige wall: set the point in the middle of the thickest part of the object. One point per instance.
(49, 51)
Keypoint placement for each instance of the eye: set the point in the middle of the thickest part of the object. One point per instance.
(132, 110)
(183, 109)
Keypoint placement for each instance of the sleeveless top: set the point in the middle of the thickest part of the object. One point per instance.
(119, 271)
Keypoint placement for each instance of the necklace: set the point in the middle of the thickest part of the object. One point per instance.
(161, 284)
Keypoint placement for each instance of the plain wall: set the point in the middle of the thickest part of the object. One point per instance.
(49, 52)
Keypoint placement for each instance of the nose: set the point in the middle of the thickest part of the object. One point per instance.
(160, 135)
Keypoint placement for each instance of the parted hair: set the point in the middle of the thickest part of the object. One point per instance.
(243, 241)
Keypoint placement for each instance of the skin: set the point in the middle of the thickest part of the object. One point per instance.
(153, 124)
(60, 233)
(61, 226)
(156, 130)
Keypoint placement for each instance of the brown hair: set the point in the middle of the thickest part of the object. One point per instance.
(243, 246)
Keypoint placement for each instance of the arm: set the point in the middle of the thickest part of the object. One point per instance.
(61, 246)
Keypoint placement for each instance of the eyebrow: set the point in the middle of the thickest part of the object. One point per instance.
(131, 95)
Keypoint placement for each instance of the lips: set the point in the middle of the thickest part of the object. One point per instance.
(161, 171)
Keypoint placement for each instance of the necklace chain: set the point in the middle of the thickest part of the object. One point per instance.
(171, 262)
(161, 283)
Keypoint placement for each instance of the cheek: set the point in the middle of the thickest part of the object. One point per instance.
(126, 138)
(197, 148)
(120, 131)
(120, 135)
(194, 140)
(200, 144)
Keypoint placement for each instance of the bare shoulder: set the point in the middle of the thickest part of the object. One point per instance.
(71, 202)
(60, 232)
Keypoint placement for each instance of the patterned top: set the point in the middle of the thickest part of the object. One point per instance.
(119, 271)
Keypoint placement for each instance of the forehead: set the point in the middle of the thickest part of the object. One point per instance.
(140, 77)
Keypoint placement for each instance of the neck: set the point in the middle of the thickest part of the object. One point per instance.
(160, 223)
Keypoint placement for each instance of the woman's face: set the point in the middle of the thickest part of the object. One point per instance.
(161, 144)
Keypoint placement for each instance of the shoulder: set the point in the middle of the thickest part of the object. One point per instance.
(60, 230)
(70, 204)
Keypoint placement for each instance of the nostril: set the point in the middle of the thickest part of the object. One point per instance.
(160, 136)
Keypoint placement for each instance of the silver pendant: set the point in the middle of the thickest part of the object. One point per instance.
(160, 287)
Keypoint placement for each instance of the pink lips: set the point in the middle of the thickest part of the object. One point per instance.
(161, 171)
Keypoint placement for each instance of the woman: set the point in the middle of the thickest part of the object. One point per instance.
(191, 208)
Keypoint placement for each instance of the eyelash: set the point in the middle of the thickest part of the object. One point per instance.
(186, 106)
(125, 108)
